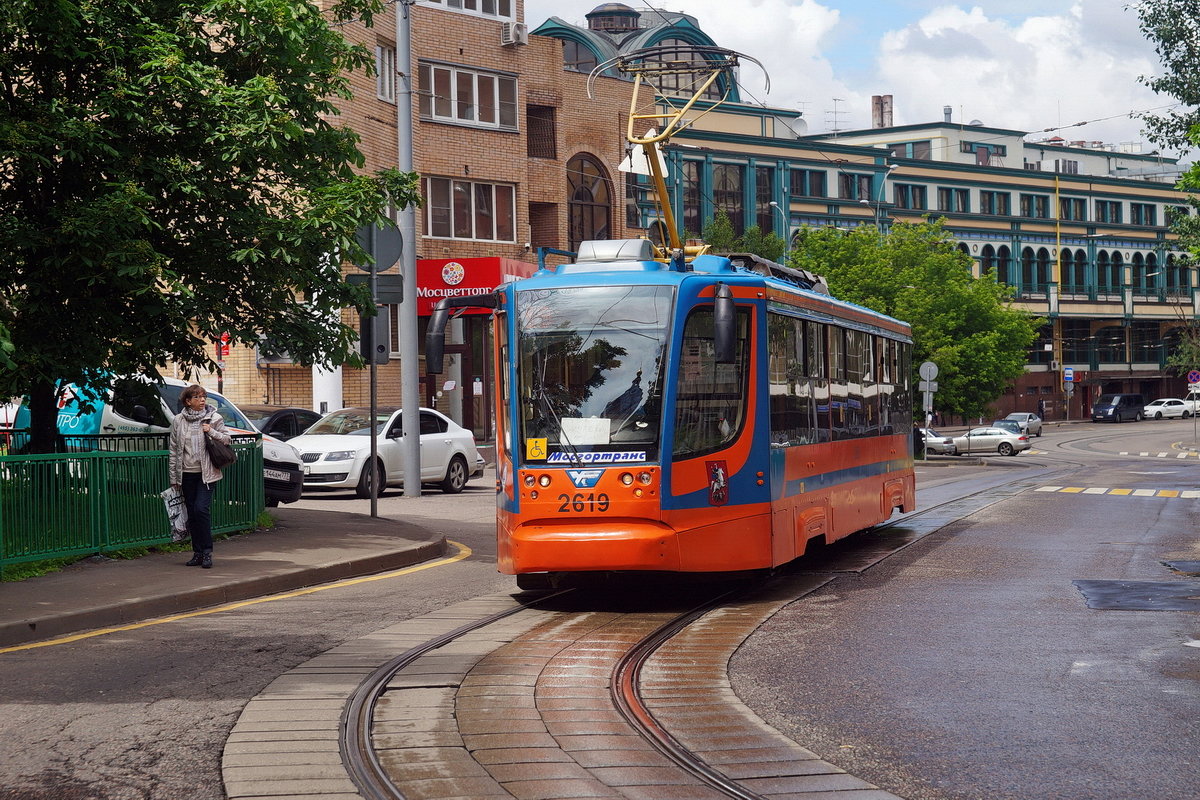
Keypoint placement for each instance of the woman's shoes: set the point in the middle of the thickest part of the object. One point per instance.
(197, 560)
(206, 560)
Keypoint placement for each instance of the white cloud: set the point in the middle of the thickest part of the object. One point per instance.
(1026, 67)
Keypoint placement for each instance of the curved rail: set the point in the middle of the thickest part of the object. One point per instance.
(354, 735)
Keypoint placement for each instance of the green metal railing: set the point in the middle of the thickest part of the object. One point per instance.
(79, 503)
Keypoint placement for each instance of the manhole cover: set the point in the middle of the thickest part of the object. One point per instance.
(1141, 595)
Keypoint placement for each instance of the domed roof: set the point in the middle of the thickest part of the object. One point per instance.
(612, 8)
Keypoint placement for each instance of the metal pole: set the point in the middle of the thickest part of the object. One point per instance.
(410, 377)
(371, 464)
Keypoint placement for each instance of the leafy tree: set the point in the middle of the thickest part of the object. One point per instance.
(1170, 25)
(173, 169)
(963, 324)
(720, 237)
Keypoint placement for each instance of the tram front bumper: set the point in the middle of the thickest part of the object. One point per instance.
(589, 547)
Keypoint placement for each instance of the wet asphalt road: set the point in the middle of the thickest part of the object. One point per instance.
(970, 665)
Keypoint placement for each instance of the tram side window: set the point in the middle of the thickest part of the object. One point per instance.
(710, 398)
(790, 390)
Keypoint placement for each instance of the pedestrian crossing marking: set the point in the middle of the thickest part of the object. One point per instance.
(1186, 494)
(1161, 454)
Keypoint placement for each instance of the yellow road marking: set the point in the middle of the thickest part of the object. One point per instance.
(463, 552)
(1072, 489)
(1121, 491)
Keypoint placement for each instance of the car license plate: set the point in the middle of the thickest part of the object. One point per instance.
(276, 475)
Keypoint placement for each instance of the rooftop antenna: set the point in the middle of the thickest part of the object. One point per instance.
(836, 113)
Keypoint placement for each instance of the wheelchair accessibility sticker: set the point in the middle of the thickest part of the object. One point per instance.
(535, 449)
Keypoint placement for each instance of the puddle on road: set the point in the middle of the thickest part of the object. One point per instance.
(1141, 595)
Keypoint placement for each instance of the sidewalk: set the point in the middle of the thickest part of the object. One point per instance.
(306, 547)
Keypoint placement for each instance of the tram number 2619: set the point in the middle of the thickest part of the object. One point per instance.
(579, 503)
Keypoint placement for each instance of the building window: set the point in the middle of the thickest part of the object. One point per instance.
(457, 209)
(385, 72)
(727, 194)
(578, 57)
(1108, 211)
(1035, 205)
(852, 186)
(1143, 214)
(922, 150)
(1176, 213)
(540, 132)
(1177, 273)
(480, 99)
(1073, 208)
(692, 194)
(910, 195)
(998, 203)
(589, 201)
(485, 8)
(764, 191)
(953, 200)
(808, 183)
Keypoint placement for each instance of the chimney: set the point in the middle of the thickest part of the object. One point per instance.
(946, 112)
(881, 111)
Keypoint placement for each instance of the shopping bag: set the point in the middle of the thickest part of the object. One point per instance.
(176, 513)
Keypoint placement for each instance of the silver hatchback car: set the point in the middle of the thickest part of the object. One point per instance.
(991, 440)
(1031, 424)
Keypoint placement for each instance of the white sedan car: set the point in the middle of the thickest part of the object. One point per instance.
(1167, 407)
(336, 449)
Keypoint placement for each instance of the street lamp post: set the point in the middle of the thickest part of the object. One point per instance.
(787, 228)
(878, 204)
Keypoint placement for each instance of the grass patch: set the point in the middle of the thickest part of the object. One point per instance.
(33, 569)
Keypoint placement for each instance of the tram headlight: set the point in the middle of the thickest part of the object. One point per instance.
(529, 480)
(626, 479)
(645, 478)
(544, 480)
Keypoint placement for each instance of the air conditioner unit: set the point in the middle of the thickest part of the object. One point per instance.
(514, 33)
(1054, 366)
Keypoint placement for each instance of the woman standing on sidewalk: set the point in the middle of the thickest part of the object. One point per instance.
(190, 469)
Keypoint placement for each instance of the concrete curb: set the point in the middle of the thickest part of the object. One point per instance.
(175, 601)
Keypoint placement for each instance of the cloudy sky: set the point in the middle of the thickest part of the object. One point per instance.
(1015, 64)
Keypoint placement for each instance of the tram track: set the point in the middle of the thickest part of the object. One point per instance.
(600, 694)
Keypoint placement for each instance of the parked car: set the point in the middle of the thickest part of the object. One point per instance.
(1007, 424)
(991, 439)
(280, 422)
(938, 444)
(1167, 407)
(1031, 424)
(1118, 407)
(336, 449)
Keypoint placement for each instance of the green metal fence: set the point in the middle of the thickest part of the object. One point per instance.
(69, 504)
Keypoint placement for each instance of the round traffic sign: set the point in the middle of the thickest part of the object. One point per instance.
(928, 370)
(1194, 376)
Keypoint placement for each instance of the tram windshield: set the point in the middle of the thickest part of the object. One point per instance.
(590, 372)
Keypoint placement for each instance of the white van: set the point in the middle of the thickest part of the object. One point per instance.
(135, 405)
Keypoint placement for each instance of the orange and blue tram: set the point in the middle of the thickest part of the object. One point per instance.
(718, 415)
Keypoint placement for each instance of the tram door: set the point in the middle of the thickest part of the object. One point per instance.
(463, 390)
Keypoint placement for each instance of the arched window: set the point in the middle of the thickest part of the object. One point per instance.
(1004, 265)
(1138, 266)
(1111, 281)
(987, 260)
(1177, 266)
(1027, 270)
(1079, 271)
(1043, 270)
(589, 201)
(1103, 265)
(683, 84)
(578, 57)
